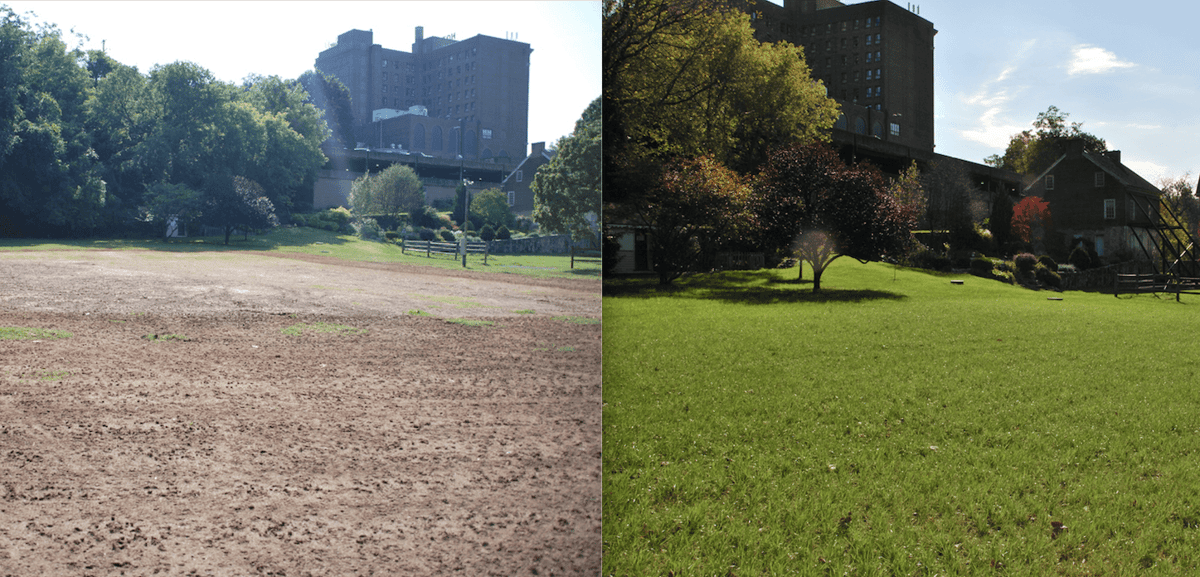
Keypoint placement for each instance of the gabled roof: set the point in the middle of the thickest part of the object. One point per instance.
(547, 154)
(1123, 174)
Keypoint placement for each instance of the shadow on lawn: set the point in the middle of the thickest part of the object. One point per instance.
(747, 287)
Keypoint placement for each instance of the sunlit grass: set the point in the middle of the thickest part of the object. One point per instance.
(306, 240)
(321, 328)
(897, 427)
(29, 333)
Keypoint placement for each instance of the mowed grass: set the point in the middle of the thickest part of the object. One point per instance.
(897, 427)
(305, 240)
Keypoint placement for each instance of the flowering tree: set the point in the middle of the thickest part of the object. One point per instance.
(1031, 219)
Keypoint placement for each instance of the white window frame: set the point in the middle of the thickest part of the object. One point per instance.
(1098, 179)
(1110, 209)
(1049, 182)
(520, 175)
(512, 198)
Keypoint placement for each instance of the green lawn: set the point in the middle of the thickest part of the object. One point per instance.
(319, 242)
(897, 425)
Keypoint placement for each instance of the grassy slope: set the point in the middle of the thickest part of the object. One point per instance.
(903, 427)
(319, 242)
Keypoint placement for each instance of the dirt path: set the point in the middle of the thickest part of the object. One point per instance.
(400, 445)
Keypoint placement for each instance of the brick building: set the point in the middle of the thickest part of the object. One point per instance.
(874, 58)
(516, 184)
(443, 91)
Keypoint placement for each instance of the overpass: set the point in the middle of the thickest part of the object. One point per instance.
(440, 175)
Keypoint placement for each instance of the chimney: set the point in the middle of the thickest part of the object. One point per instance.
(1075, 146)
(1114, 155)
(420, 34)
(537, 148)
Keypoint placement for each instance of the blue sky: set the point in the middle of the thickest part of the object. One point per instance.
(235, 39)
(1127, 70)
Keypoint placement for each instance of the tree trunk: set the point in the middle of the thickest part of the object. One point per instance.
(817, 277)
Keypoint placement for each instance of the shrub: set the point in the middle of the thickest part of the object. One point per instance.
(1025, 262)
(391, 235)
(1048, 262)
(486, 233)
(503, 233)
(982, 267)
(368, 229)
(339, 215)
(1080, 258)
(446, 235)
(1007, 266)
(1047, 276)
(442, 203)
(427, 233)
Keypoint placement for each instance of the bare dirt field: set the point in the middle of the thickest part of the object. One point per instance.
(245, 414)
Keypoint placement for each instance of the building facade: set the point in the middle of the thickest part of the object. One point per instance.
(1096, 197)
(516, 184)
(443, 97)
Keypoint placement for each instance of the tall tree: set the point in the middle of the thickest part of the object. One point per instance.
(686, 78)
(569, 187)
(332, 98)
(1032, 151)
(49, 179)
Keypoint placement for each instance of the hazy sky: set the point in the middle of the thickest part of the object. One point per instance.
(236, 39)
(1127, 70)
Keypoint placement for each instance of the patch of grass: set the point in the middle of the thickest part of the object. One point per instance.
(524, 312)
(904, 427)
(165, 337)
(322, 327)
(419, 313)
(29, 334)
(578, 320)
(307, 240)
(52, 375)
(471, 322)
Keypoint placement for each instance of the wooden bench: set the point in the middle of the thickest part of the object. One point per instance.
(584, 253)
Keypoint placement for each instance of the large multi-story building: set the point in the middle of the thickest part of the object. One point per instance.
(874, 58)
(443, 97)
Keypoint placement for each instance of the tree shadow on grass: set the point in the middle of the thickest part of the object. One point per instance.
(746, 287)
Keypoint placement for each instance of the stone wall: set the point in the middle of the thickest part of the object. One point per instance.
(552, 244)
(1103, 278)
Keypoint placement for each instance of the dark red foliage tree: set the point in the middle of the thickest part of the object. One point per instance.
(698, 206)
(843, 210)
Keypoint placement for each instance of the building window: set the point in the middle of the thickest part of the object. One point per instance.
(385, 63)
(1110, 208)
(878, 73)
(895, 129)
(877, 41)
(1099, 180)
(486, 132)
(878, 57)
(520, 175)
(869, 75)
(512, 198)
(1049, 182)
(868, 39)
(860, 126)
(868, 57)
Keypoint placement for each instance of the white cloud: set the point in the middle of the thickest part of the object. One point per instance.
(1087, 59)
(988, 131)
(1151, 171)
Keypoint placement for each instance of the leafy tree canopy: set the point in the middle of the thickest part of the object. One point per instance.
(686, 78)
(569, 187)
(491, 207)
(1032, 151)
(392, 192)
